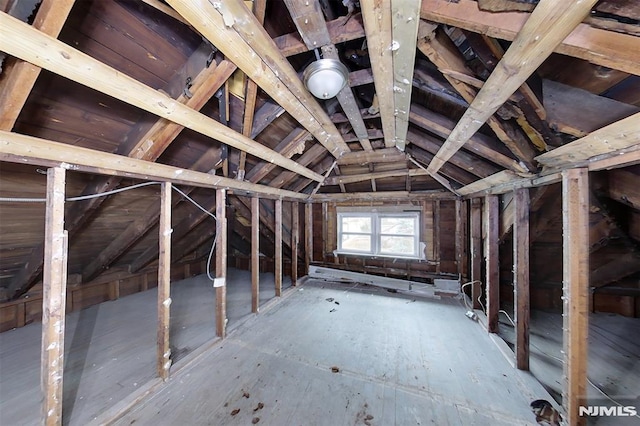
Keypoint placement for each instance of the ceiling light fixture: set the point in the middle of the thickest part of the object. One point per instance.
(325, 78)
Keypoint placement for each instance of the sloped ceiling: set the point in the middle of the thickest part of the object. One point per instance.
(443, 98)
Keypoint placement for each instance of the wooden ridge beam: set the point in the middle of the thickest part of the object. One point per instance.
(20, 40)
(20, 76)
(606, 48)
(385, 155)
(233, 29)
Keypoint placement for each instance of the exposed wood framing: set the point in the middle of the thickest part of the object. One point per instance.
(233, 29)
(491, 250)
(336, 180)
(308, 236)
(18, 79)
(383, 195)
(255, 254)
(460, 240)
(607, 48)
(476, 251)
(385, 155)
(575, 243)
(377, 24)
(295, 235)
(164, 283)
(521, 276)
(405, 16)
(546, 27)
(20, 40)
(54, 292)
(278, 250)
(444, 54)
(221, 263)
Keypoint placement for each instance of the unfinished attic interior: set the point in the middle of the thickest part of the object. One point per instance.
(445, 231)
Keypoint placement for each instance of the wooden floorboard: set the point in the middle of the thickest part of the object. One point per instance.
(401, 360)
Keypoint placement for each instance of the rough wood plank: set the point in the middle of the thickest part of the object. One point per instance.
(295, 235)
(601, 47)
(384, 155)
(163, 356)
(20, 40)
(521, 276)
(492, 267)
(233, 29)
(546, 27)
(221, 263)
(53, 299)
(575, 290)
(336, 180)
(377, 24)
(255, 254)
(278, 250)
(475, 235)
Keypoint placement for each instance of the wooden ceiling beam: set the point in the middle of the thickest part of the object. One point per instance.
(345, 179)
(385, 155)
(383, 196)
(449, 170)
(546, 27)
(20, 76)
(405, 16)
(440, 50)
(20, 40)
(601, 47)
(378, 26)
(233, 29)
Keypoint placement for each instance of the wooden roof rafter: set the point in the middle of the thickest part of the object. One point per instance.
(20, 40)
(546, 27)
(233, 29)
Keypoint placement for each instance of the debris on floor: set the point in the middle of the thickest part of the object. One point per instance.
(335, 369)
(259, 407)
(333, 310)
(235, 411)
(255, 420)
(329, 299)
(245, 394)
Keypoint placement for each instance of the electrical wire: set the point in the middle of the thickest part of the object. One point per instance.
(78, 198)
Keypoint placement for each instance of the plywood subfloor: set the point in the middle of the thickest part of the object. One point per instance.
(110, 348)
(338, 354)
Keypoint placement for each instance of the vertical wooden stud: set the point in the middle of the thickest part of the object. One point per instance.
(476, 251)
(164, 282)
(436, 231)
(521, 275)
(295, 236)
(492, 228)
(308, 236)
(460, 241)
(255, 254)
(221, 263)
(54, 294)
(278, 253)
(575, 290)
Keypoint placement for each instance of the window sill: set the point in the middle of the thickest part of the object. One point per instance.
(376, 256)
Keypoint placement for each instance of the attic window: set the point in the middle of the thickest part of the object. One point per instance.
(379, 234)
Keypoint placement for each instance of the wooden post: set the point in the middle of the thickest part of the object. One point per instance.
(164, 282)
(308, 236)
(476, 251)
(492, 225)
(436, 234)
(278, 253)
(521, 275)
(295, 235)
(255, 254)
(575, 290)
(54, 294)
(461, 231)
(221, 263)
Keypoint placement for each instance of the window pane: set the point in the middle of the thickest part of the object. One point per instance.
(397, 225)
(356, 242)
(356, 224)
(397, 245)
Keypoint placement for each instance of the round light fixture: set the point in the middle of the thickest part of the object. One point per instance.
(325, 78)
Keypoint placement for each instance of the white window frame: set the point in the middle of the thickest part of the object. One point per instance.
(376, 235)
